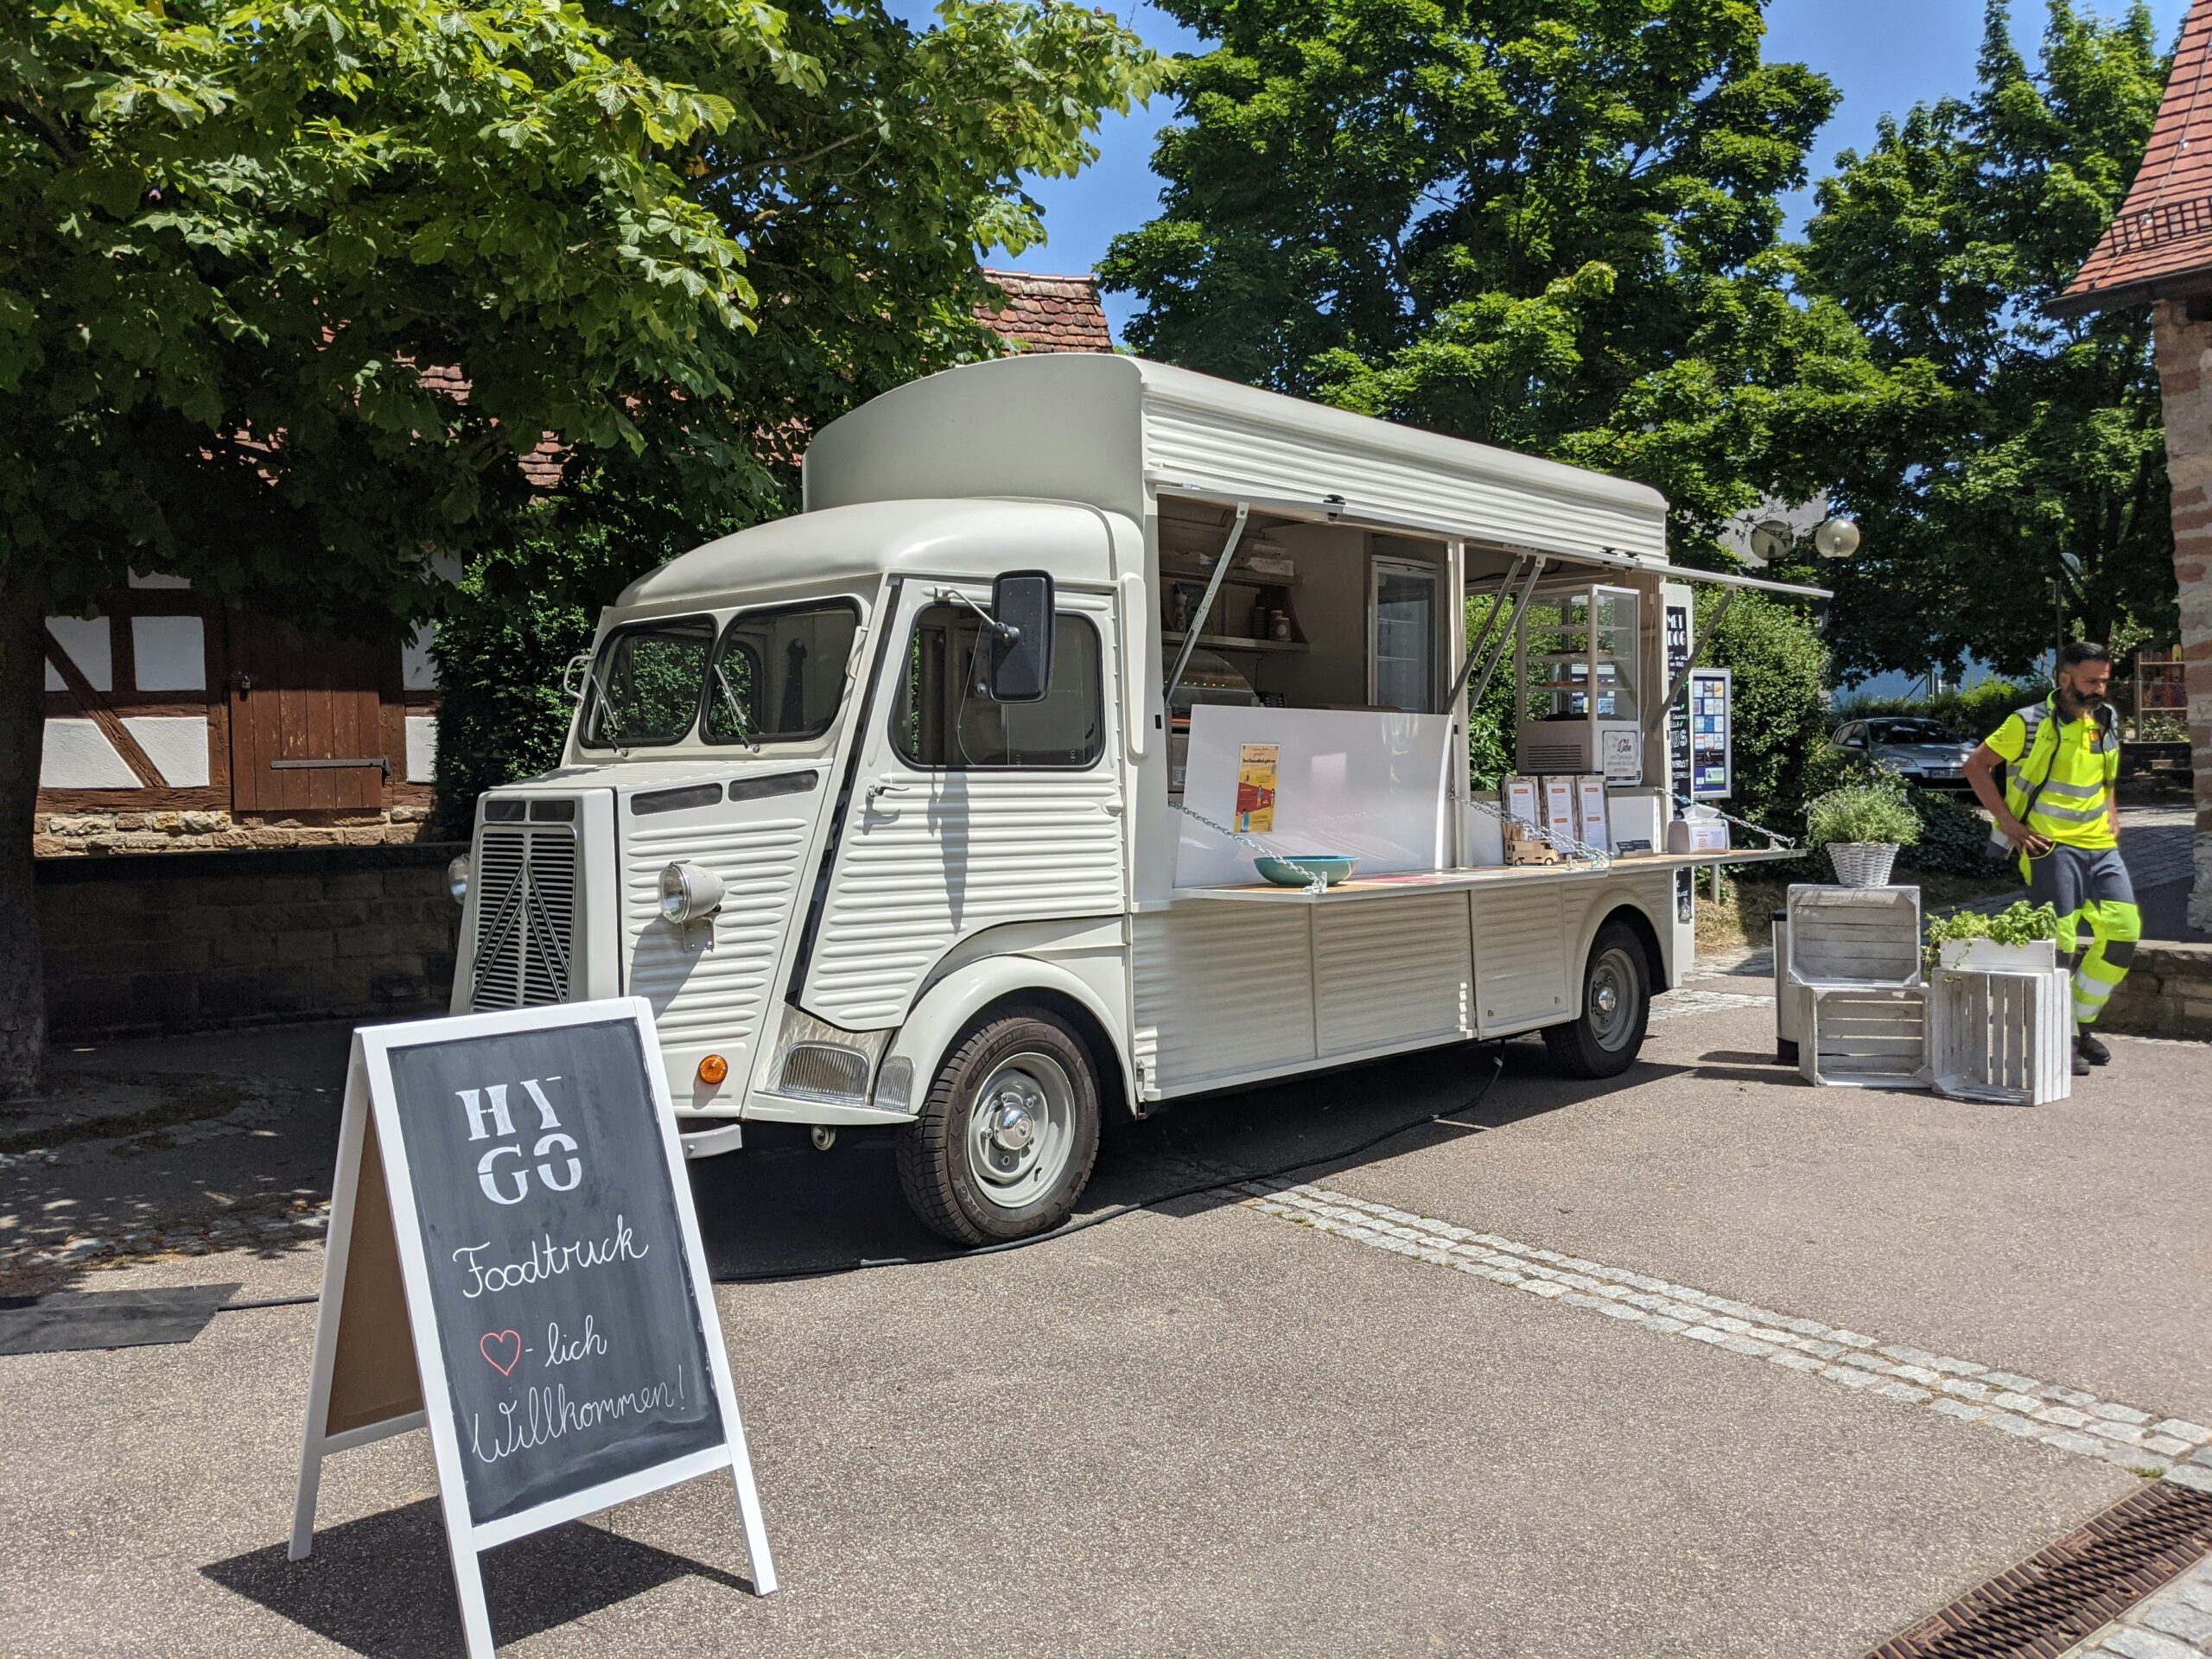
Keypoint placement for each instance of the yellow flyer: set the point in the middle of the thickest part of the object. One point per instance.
(1255, 787)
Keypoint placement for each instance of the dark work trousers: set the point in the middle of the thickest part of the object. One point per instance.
(2091, 893)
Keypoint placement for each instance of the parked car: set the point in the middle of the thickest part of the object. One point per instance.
(1926, 752)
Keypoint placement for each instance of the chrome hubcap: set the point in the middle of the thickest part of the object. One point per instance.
(1615, 994)
(1022, 1130)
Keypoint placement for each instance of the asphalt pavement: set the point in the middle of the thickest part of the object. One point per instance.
(1250, 1421)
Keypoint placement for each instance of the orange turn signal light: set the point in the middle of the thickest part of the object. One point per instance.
(713, 1068)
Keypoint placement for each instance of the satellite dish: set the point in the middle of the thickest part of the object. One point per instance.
(1836, 538)
(1770, 541)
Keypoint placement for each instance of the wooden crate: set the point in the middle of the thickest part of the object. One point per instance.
(1867, 938)
(1863, 1038)
(2002, 1036)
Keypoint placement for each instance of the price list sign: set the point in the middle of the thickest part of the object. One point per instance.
(514, 1264)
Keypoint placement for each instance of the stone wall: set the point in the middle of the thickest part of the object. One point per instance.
(2167, 992)
(2185, 352)
(164, 942)
(89, 834)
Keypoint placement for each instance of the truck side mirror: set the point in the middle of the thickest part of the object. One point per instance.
(1021, 638)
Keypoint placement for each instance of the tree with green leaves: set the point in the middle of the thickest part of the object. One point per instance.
(2008, 469)
(862, 191)
(232, 238)
(1548, 224)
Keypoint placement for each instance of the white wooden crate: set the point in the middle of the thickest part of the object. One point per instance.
(1865, 1037)
(1865, 937)
(2002, 1036)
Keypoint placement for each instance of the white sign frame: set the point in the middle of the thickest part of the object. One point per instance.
(1705, 681)
(370, 1100)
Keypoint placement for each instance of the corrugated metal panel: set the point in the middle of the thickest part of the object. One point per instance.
(1222, 991)
(712, 996)
(1395, 970)
(1520, 957)
(954, 853)
(1191, 443)
(1584, 904)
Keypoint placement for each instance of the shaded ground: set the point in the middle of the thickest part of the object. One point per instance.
(1200, 1429)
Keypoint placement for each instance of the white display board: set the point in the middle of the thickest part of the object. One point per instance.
(1368, 784)
(1711, 698)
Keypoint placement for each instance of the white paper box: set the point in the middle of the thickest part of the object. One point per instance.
(1559, 805)
(1590, 812)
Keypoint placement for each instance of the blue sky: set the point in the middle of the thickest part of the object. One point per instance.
(1885, 54)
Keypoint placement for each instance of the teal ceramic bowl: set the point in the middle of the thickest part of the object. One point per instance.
(1299, 871)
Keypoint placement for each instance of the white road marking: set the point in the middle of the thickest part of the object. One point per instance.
(2068, 1420)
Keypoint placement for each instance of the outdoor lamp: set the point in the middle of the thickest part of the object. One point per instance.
(1836, 538)
(688, 893)
(457, 879)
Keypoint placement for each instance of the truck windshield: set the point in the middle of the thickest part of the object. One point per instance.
(650, 674)
(784, 671)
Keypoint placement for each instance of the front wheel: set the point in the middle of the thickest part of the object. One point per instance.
(1604, 1039)
(1006, 1139)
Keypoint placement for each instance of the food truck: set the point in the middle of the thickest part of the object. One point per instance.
(1096, 736)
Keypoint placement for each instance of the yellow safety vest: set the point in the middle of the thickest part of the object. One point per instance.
(2059, 773)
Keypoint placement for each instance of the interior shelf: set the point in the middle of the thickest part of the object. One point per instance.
(1230, 642)
(1237, 577)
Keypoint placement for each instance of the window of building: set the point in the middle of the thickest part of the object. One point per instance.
(945, 721)
(785, 670)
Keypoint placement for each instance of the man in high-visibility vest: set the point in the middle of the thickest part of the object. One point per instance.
(2060, 757)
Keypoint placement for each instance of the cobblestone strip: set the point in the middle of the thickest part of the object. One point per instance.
(1674, 1005)
(2175, 1623)
(2068, 1419)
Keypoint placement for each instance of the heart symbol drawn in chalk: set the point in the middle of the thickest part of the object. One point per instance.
(503, 1340)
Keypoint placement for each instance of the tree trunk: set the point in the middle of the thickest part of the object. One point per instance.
(22, 726)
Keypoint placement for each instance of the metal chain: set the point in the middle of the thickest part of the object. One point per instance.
(1773, 835)
(1566, 843)
(1316, 883)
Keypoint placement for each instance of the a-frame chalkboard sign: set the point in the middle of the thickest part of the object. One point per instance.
(514, 1264)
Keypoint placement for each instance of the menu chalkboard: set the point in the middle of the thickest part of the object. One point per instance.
(514, 1264)
(574, 1350)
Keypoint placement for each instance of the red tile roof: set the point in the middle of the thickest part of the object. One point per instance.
(1042, 314)
(2161, 244)
(1049, 314)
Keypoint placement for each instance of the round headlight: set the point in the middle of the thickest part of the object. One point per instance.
(457, 879)
(688, 893)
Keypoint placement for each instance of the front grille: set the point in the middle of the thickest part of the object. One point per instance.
(525, 916)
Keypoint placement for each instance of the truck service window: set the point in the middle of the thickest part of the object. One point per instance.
(652, 673)
(943, 722)
(785, 670)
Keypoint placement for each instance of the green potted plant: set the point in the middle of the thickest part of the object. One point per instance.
(1862, 825)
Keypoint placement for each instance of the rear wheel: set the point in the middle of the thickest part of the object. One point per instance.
(1008, 1134)
(1603, 1040)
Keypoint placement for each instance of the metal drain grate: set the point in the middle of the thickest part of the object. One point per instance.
(2051, 1601)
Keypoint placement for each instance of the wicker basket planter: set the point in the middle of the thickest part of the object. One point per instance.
(1863, 863)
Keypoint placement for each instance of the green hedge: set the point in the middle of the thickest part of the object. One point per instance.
(1781, 668)
(515, 620)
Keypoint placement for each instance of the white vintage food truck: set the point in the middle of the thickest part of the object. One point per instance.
(941, 805)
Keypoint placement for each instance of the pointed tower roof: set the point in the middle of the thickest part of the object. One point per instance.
(2160, 246)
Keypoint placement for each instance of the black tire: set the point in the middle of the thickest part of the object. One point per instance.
(1040, 1074)
(1604, 1037)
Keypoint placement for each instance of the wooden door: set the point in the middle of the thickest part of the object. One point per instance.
(307, 732)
